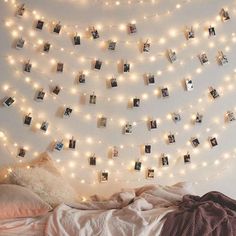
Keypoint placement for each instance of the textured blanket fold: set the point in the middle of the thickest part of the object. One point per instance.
(213, 214)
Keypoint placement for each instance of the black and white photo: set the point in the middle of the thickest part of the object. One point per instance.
(176, 117)
(97, 64)
(46, 47)
(132, 29)
(172, 55)
(40, 95)
(153, 124)
(57, 28)
(150, 79)
(150, 173)
(113, 82)
(146, 46)
(211, 31)
(44, 126)
(94, 33)
(213, 92)
(104, 177)
(92, 99)
(27, 67)
(190, 33)
(20, 43)
(171, 138)
(138, 165)
(67, 112)
(222, 58)
(39, 25)
(136, 102)
(187, 158)
(92, 160)
(115, 151)
(213, 141)
(147, 148)
(126, 67)
(195, 142)
(111, 45)
(72, 143)
(102, 122)
(230, 116)
(82, 78)
(165, 160)
(8, 101)
(203, 58)
(56, 90)
(165, 92)
(224, 15)
(21, 152)
(76, 40)
(20, 10)
(198, 118)
(128, 128)
(60, 67)
(28, 119)
(189, 84)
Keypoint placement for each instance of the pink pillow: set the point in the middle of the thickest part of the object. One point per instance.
(17, 201)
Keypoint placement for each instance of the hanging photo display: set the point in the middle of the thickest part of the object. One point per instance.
(8, 102)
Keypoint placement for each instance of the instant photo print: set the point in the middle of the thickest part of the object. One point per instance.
(8, 102)
(195, 142)
(198, 118)
(94, 33)
(39, 25)
(153, 124)
(190, 33)
(67, 112)
(128, 128)
(211, 31)
(171, 138)
(138, 165)
(150, 173)
(27, 67)
(82, 78)
(92, 160)
(187, 158)
(176, 117)
(189, 84)
(97, 64)
(21, 152)
(113, 82)
(46, 47)
(222, 58)
(72, 143)
(150, 79)
(102, 122)
(132, 29)
(165, 92)
(126, 67)
(92, 99)
(56, 90)
(115, 151)
(147, 148)
(20, 43)
(172, 55)
(136, 102)
(44, 126)
(213, 92)
(60, 67)
(57, 28)
(224, 15)
(203, 58)
(59, 145)
(76, 40)
(213, 141)
(20, 10)
(111, 45)
(40, 95)
(230, 116)
(146, 46)
(104, 177)
(28, 119)
(165, 160)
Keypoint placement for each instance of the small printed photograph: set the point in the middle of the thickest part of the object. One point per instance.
(147, 148)
(59, 145)
(72, 143)
(165, 92)
(211, 31)
(153, 124)
(111, 45)
(92, 99)
(94, 33)
(82, 78)
(132, 29)
(98, 65)
(222, 58)
(9, 101)
(28, 119)
(60, 67)
(39, 25)
(113, 82)
(190, 33)
(67, 112)
(203, 58)
(176, 117)
(57, 28)
(214, 93)
(198, 118)
(21, 152)
(136, 102)
(150, 173)
(150, 79)
(102, 122)
(224, 15)
(146, 46)
(187, 158)
(92, 160)
(46, 47)
(171, 138)
(230, 116)
(189, 84)
(44, 126)
(76, 40)
(172, 55)
(138, 165)
(213, 142)
(20, 10)
(195, 142)
(128, 128)
(56, 90)
(27, 67)
(40, 95)
(126, 67)
(115, 151)
(165, 160)
(20, 43)
(104, 176)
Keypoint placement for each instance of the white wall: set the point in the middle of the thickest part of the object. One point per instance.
(165, 32)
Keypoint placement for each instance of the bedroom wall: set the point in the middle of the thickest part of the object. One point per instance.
(210, 168)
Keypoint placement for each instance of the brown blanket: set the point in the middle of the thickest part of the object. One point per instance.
(213, 214)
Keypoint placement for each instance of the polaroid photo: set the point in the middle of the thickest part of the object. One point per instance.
(44, 126)
(92, 160)
(132, 29)
(76, 40)
(27, 67)
(171, 138)
(94, 33)
(60, 67)
(46, 47)
(146, 46)
(82, 78)
(57, 28)
(72, 143)
(176, 117)
(39, 25)
(172, 55)
(189, 84)
(213, 92)
(203, 58)
(190, 33)
(213, 141)
(195, 142)
(150, 79)
(56, 90)
(59, 145)
(98, 65)
(211, 31)
(224, 15)
(20, 10)
(92, 99)
(28, 119)
(20, 43)
(40, 95)
(115, 151)
(198, 118)
(222, 58)
(153, 124)
(150, 173)
(136, 102)
(128, 128)
(165, 92)
(102, 122)
(165, 161)
(67, 112)
(21, 152)
(113, 82)
(230, 116)
(138, 165)
(111, 45)
(126, 67)
(147, 148)
(187, 158)
(9, 101)
(104, 177)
